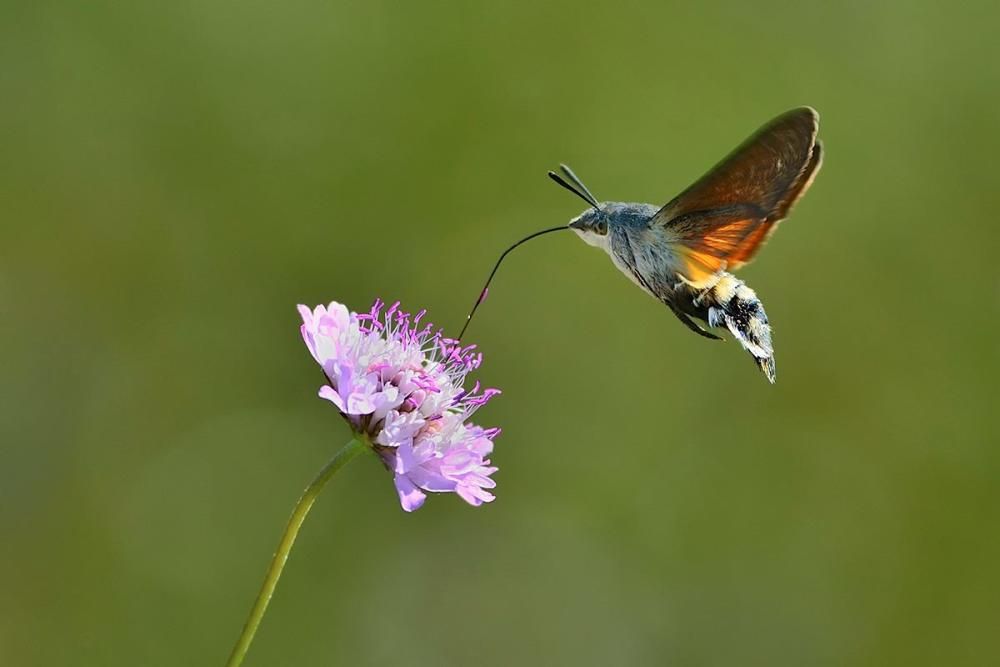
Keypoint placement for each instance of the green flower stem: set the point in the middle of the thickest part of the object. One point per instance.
(350, 450)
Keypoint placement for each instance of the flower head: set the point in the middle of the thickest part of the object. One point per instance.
(399, 382)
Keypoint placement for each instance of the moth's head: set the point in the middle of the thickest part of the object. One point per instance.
(591, 225)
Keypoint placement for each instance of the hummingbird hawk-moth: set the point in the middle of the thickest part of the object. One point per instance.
(683, 253)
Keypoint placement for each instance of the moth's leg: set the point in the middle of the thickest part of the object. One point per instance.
(699, 294)
(698, 299)
(689, 323)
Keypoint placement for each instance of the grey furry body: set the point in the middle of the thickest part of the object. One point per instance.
(644, 251)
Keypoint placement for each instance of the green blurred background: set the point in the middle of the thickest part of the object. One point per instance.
(175, 177)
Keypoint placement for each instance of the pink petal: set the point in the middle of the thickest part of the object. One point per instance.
(406, 460)
(328, 392)
(307, 315)
(474, 495)
(410, 497)
(360, 404)
(429, 480)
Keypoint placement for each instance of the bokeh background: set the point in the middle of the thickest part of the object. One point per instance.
(175, 177)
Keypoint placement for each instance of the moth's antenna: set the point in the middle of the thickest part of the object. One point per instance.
(589, 199)
(578, 183)
(486, 287)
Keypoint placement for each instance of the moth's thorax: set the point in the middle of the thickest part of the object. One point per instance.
(630, 214)
(649, 254)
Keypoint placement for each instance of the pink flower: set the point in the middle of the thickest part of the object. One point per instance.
(399, 383)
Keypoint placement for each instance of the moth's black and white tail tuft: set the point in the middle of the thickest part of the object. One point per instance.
(733, 305)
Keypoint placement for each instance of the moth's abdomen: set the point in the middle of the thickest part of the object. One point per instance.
(733, 305)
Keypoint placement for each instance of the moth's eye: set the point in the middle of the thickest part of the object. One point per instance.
(601, 227)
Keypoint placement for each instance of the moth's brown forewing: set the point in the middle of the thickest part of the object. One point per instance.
(724, 218)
